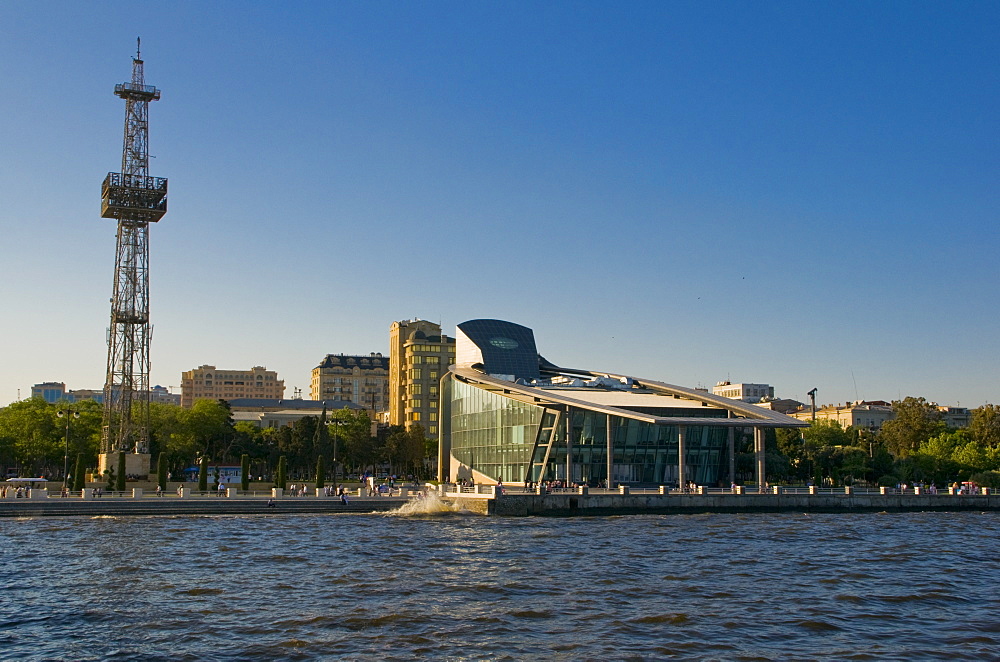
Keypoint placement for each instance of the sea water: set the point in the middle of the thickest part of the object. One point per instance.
(435, 583)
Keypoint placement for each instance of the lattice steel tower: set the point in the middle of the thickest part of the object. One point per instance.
(135, 199)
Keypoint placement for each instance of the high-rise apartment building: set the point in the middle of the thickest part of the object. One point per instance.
(419, 354)
(221, 384)
(361, 379)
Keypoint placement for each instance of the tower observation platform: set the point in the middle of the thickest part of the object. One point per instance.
(133, 197)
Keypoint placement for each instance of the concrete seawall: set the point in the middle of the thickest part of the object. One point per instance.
(523, 505)
(203, 506)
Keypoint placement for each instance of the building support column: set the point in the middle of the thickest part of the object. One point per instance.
(569, 446)
(731, 444)
(758, 447)
(611, 458)
(681, 467)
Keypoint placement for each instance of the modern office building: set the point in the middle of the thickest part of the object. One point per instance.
(51, 392)
(162, 395)
(361, 379)
(214, 383)
(513, 416)
(419, 354)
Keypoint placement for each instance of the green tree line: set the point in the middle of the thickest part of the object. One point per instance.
(33, 440)
(915, 446)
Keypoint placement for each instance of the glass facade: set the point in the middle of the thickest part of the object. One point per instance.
(495, 435)
(491, 433)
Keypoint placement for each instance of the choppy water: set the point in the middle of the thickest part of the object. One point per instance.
(460, 587)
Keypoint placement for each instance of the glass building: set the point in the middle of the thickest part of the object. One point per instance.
(510, 415)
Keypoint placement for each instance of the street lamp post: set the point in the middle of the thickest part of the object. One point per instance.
(67, 413)
(336, 433)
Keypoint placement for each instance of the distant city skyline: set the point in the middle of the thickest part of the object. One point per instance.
(794, 194)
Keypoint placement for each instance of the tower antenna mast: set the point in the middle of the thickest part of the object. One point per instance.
(135, 200)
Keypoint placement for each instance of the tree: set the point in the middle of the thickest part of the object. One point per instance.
(916, 421)
(120, 484)
(245, 472)
(819, 455)
(203, 474)
(32, 436)
(281, 479)
(320, 473)
(416, 448)
(78, 474)
(935, 457)
(360, 447)
(985, 425)
(161, 471)
(397, 440)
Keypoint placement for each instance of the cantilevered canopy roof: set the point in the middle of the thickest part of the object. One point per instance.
(639, 399)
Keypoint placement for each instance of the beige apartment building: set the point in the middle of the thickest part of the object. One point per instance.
(419, 354)
(873, 414)
(222, 384)
(361, 379)
(870, 415)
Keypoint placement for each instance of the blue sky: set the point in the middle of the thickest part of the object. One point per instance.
(802, 194)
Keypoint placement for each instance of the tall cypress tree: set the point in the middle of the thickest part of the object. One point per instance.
(245, 472)
(281, 479)
(78, 477)
(161, 471)
(120, 486)
(203, 474)
(320, 471)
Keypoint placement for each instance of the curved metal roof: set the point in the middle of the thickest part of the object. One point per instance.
(740, 414)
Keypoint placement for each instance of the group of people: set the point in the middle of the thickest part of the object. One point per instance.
(340, 491)
(20, 492)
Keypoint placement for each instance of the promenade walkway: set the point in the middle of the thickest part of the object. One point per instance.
(518, 501)
(205, 504)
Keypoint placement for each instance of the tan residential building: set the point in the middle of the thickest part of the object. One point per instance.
(419, 354)
(222, 384)
(870, 415)
(361, 379)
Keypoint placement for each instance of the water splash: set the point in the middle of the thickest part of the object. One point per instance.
(430, 505)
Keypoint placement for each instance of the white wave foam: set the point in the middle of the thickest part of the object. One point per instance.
(430, 505)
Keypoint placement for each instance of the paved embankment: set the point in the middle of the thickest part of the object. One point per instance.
(522, 505)
(206, 506)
